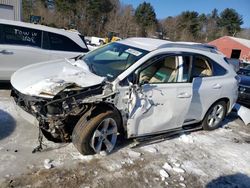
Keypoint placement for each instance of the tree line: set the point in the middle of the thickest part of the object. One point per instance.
(98, 17)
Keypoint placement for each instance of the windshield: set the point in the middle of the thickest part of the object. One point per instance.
(111, 60)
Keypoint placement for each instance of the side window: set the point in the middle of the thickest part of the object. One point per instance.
(170, 69)
(62, 43)
(45, 42)
(21, 36)
(218, 70)
(201, 67)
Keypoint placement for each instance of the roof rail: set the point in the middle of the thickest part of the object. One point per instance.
(196, 46)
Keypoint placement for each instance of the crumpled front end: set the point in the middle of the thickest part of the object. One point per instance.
(57, 116)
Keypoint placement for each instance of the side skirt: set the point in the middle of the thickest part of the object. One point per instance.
(146, 140)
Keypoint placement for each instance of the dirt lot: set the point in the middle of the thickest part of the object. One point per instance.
(219, 158)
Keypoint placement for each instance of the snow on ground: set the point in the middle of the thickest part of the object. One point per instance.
(198, 159)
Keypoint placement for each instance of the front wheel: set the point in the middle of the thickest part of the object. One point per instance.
(214, 116)
(97, 134)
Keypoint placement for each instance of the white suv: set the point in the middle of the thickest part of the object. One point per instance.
(135, 88)
(22, 44)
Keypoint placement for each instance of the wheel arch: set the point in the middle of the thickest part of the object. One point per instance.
(104, 106)
(225, 99)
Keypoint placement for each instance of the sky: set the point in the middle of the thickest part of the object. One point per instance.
(165, 8)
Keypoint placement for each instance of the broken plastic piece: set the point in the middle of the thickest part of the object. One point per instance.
(243, 113)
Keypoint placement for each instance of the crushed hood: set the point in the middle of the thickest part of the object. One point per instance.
(49, 78)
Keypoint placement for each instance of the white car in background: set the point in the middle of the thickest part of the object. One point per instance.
(23, 43)
(137, 87)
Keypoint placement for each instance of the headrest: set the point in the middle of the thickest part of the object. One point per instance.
(201, 63)
(170, 63)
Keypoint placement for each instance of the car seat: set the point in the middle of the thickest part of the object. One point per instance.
(201, 68)
(167, 72)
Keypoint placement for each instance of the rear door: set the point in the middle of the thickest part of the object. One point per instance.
(208, 82)
(19, 47)
(162, 101)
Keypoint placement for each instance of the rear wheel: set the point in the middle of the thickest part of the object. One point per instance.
(97, 134)
(214, 116)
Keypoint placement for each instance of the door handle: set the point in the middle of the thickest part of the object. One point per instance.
(184, 95)
(217, 86)
(6, 52)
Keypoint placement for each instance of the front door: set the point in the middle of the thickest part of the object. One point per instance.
(162, 100)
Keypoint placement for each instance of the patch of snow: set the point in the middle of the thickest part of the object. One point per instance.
(178, 170)
(182, 184)
(112, 167)
(48, 164)
(186, 139)
(182, 178)
(163, 174)
(127, 161)
(167, 166)
(78, 156)
(134, 154)
(156, 179)
(191, 167)
(103, 153)
(177, 164)
(150, 148)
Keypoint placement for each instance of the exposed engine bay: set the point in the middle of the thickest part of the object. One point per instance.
(58, 116)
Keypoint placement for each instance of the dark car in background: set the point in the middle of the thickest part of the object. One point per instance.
(244, 86)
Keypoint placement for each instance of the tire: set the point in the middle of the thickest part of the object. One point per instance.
(88, 135)
(214, 116)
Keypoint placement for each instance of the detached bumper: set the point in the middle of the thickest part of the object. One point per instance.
(244, 99)
(25, 115)
(243, 113)
(27, 106)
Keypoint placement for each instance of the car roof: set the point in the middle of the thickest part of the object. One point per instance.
(151, 44)
(73, 35)
(148, 44)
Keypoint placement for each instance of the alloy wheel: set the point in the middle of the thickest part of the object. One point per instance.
(105, 136)
(215, 116)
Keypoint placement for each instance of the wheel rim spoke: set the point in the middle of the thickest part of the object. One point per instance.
(113, 130)
(211, 121)
(105, 124)
(108, 144)
(219, 110)
(98, 146)
(215, 116)
(214, 111)
(97, 133)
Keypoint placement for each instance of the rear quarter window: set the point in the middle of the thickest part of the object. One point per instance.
(21, 36)
(218, 70)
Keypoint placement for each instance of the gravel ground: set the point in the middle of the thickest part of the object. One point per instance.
(219, 158)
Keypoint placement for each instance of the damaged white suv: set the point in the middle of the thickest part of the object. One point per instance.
(136, 87)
